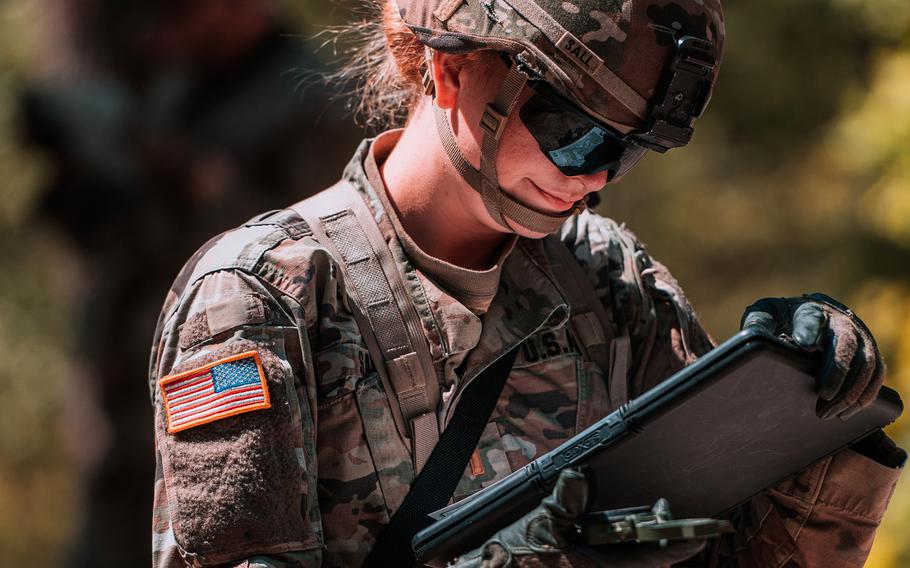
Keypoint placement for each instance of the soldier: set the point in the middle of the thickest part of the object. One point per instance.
(306, 362)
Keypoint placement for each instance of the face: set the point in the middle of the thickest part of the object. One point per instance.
(468, 83)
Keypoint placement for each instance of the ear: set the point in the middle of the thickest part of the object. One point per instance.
(446, 70)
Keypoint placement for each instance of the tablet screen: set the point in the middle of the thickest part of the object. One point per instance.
(709, 451)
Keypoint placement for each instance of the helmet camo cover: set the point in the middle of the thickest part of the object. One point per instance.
(607, 56)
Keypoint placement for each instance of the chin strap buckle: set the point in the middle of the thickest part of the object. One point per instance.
(426, 73)
(493, 122)
(429, 87)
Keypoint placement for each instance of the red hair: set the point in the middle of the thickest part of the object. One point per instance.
(382, 66)
(406, 50)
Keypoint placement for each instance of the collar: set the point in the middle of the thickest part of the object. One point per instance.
(527, 298)
(473, 288)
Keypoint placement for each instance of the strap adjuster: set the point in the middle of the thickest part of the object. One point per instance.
(429, 87)
(493, 122)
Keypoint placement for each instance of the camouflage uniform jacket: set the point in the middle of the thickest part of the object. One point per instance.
(311, 480)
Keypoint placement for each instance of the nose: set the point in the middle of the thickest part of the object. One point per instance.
(593, 182)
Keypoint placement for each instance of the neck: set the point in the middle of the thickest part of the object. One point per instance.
(436, 206)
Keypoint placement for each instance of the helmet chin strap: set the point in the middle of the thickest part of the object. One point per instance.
(499, 204)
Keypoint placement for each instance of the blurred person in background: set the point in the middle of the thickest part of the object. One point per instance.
(165, 121)
(310, 462)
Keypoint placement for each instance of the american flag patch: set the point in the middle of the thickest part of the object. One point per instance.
(224, 388)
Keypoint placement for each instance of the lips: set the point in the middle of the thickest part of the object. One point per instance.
(562, 202)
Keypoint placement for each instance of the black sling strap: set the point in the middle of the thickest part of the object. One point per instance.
(437, 481)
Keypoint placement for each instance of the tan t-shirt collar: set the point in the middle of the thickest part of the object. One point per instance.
(473, 288)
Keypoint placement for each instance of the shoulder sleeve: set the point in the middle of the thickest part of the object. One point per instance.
(827, 513)
(234, 429)
(641, 296)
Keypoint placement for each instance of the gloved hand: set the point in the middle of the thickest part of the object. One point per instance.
(852, 369)
(542, 538)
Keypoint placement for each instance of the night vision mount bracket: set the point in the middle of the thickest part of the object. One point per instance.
(684, 96)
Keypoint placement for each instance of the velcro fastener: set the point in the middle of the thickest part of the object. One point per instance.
(222, 316)
(228, 314)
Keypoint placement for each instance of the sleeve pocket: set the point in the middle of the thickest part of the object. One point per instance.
(236, 485)
(219, 317)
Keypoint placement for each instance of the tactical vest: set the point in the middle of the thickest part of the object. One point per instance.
(339, 220)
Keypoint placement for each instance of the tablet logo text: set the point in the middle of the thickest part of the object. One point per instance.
(578, 449)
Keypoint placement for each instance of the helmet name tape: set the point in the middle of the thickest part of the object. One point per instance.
(586, 59)
(574, 49)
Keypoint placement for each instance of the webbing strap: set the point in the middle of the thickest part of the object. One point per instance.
(485, 181)
(593, 65)
(341, 221)
(620, 358)
(492, 124)
(434, 486)
(458, 160)
(590, 321)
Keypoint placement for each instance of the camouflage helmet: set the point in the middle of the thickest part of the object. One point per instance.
(611, 58)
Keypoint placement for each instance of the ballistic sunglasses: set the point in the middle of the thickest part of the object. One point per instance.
(578, 143)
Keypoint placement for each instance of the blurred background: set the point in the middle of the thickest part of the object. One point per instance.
(133, 130)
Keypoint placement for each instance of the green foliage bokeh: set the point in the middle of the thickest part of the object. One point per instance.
(798, 180)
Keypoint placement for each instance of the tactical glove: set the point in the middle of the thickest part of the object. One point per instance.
(852, 369)
(542, 538)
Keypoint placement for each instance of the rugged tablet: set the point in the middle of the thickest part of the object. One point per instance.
(724, 428)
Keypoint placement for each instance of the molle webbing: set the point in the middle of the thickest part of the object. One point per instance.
(385, 313)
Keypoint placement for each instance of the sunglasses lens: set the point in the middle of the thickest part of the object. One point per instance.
(575, 144)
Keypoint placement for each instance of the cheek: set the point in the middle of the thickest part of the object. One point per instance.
(519, 154)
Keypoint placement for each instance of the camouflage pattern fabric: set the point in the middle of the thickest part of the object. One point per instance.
(313, 480)
(633, 38)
